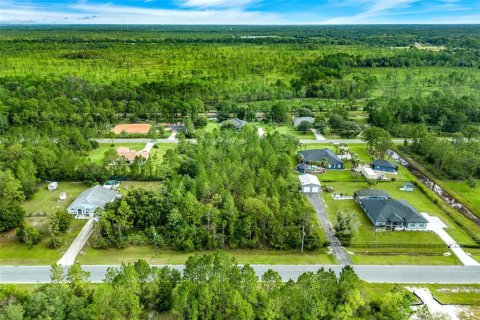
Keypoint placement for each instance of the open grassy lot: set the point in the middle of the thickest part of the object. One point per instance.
(464, 193)
(455, 293)
(126, 186)
(133, 253)
(209, 127)
(289, 129)
(13, 252)
(44, 201)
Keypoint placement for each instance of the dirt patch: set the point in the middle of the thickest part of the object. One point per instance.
(132, 128)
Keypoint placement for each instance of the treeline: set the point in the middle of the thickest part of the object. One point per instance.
(391, 35)
(211, 287)
(229, 190)
(443, 112)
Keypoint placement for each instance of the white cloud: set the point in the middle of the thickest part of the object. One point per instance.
(216, 3)
(113, 14)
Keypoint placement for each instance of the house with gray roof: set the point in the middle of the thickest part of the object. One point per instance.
(385, 212)
(334, 162)
(297, 121)
(384, 166)
(90, 200)
(239, 124)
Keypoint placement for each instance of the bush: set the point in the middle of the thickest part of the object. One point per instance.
(139, 239)
(201, 122)
(99, 242)
(28, 234)
(472, 183)
(60, 221)
(54, 242)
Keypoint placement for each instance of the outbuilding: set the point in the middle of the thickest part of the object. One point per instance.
(384, 166)
(309, 183)
(52, 186)
(407, 186)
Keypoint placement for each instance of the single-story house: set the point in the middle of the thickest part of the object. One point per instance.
(384, 166)
(239, 124)
(297, 121)
(309, 183)
(129, 154)
(369, 173)
(89, 200)
(52, 186)
(407, 186)
(334, 162)
(389, 213)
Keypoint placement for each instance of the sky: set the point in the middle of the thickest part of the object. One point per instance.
(232, 12)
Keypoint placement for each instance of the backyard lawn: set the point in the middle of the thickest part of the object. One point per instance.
(126, 186)
(44, 201)
(290, 130)
(13, 252)
(97, 155)
(133, 253)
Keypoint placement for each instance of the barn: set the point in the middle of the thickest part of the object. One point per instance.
(309, 183)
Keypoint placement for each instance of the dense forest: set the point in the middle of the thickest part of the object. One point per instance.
(229, 190)
(211, 287)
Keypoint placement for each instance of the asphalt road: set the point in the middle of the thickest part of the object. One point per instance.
(302, 141)
(370, 273)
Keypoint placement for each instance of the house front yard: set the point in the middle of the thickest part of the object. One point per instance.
(13, 252)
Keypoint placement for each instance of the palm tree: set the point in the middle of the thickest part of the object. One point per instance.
(324, 163)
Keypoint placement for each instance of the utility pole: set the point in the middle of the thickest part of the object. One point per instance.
(303, 235)
(154, 242)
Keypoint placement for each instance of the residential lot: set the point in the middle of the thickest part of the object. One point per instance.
(97, 155)
(133, 253)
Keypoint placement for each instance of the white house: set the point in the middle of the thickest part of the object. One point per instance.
(89, 200)
(309, 183)
(369, 174)
(52, 186)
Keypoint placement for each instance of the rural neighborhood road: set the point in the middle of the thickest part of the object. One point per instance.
(302, 141)
(370, 273)
(317, 203)
(69, 257)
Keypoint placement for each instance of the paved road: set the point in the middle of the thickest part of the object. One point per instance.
(370, 273)
(69, 257)
(318, 135)
(317, 203)
(302, 141)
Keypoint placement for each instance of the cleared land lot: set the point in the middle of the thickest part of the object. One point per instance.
(133, 253)
(97, 155)
(141, 128)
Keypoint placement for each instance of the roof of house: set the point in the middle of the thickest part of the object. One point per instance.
(299, 120)
(372, 193)
(130, 154)
(306, 179)
(237, 122)
(384, 163)
(391, 210)
(319, 154)
(94, 197)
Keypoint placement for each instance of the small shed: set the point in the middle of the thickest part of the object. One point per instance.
(309, 183)
(369, 174)
(407, 186)
(111, 184)
(52, 186)
(62, 196)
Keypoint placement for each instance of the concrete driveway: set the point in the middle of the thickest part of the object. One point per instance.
(71, 254)
(437, 226)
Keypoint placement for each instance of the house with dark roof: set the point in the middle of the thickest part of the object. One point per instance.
(90, 200)
(239, 124)
(297, 121)
(385, 212)
(384, 166)
(311, 156)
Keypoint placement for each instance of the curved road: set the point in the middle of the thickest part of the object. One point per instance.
(370, 273)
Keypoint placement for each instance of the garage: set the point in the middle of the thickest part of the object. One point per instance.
(309, 183)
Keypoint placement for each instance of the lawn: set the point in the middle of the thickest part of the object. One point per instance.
(126, 186)
(15, 253)
(133, 253)
(44, 201)
(456, 294)
(209, 127)
(464, 193)
(290, 130)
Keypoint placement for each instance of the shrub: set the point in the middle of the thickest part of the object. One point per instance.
(54, 242)
(139, 239)
(28, 234)
(99, 242)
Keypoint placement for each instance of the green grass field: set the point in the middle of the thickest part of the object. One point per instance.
(97, 155)
(133, 253)
(126, 186)
(44, 201)
(290, 130)
(13, 252)
(464, 193)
